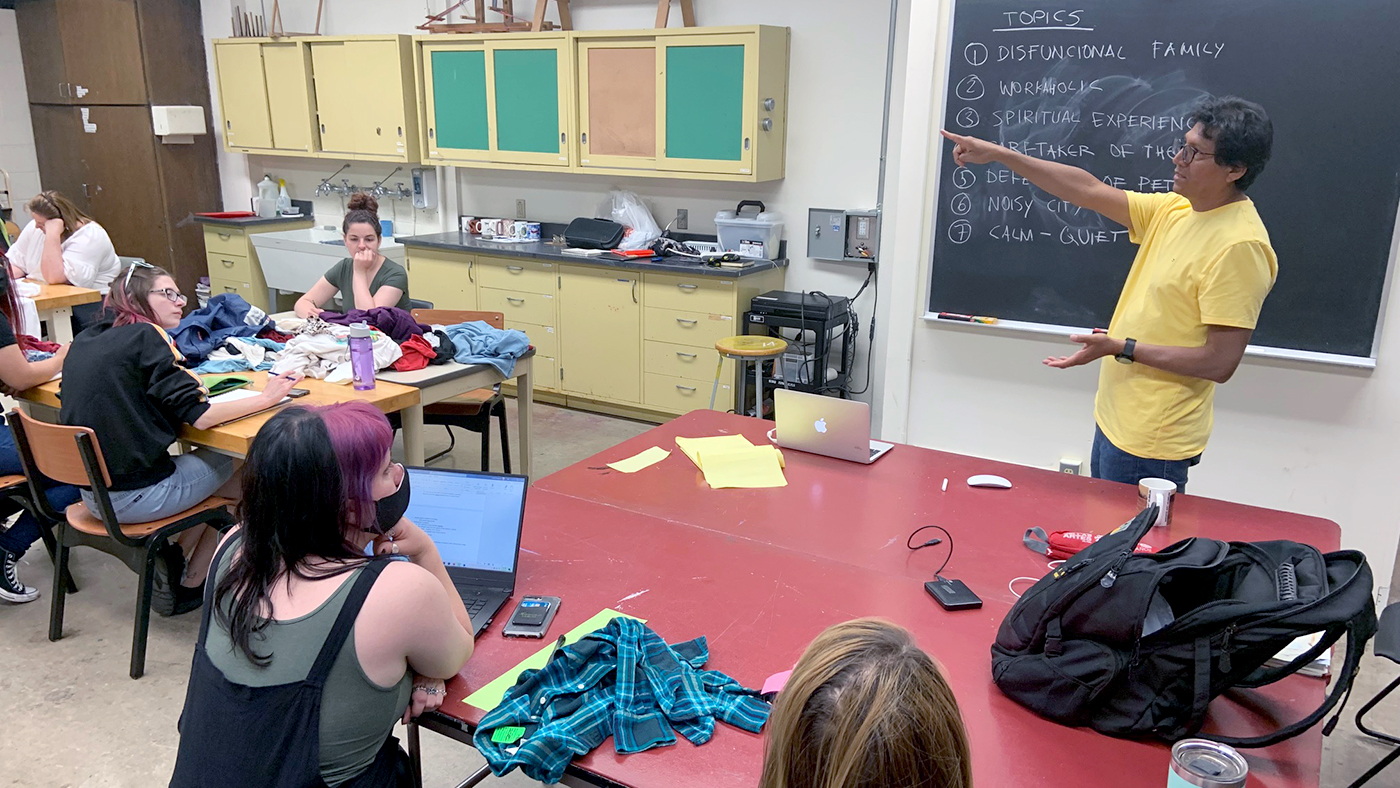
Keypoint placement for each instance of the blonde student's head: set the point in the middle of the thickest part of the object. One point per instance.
(866, 708)
(52, 205)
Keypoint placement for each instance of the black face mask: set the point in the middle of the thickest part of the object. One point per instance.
(391, 508)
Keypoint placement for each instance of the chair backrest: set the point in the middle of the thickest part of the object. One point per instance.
(449, 317)
(56, 453)
(418, 303)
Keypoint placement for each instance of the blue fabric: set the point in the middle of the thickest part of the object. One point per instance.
(478, 343)
(1113, 464)
(25, 530)
(204, 330)
(624, 681)
(37, 355)
(239, 363)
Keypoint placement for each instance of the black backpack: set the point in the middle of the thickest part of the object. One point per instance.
(1072, 649)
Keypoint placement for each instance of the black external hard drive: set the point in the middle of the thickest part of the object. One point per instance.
(953, 594)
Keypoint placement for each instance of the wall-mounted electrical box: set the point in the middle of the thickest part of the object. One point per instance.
(424, 187)
(846, 235)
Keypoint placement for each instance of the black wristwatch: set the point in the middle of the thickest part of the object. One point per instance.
(1126, 357)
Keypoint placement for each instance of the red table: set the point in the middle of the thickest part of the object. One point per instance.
(761, 572)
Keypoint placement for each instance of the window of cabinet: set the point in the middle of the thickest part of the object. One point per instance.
(455, 103)
(707, 105)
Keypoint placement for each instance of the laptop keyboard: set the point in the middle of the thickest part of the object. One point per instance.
(874, 452)
(474, 604)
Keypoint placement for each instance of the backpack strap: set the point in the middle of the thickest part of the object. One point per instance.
(1356, 647)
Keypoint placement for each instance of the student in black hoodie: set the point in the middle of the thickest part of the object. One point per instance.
(123, 378)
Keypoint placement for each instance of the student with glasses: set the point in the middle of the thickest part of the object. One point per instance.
(123, 378)
(1203, 268)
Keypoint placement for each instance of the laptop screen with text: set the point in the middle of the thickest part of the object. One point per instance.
(473, 518)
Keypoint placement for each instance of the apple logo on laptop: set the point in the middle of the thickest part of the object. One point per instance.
(820, 424)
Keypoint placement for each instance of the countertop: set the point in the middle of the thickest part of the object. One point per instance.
(250, 221)
(542, 250)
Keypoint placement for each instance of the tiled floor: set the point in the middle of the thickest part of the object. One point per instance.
(69, 716)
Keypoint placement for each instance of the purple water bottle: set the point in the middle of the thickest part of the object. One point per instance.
(361, 356)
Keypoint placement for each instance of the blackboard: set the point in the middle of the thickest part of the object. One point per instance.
(1105, 84)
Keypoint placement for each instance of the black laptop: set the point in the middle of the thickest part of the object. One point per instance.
(475, 520)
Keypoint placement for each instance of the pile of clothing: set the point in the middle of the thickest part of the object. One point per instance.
(231, 335)
(622, 680)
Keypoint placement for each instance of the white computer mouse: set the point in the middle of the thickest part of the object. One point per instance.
(988, 480)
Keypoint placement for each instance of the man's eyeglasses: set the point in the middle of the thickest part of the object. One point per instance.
(132, 269)
(1188, 153)
(173, 295)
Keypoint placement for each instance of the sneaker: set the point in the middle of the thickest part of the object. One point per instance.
(187, 598)
(170, 567)
(11, 589)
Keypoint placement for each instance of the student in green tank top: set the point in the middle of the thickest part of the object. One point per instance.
(364, 280)
(319, 493)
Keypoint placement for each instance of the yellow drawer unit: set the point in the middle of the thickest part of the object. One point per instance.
(528, 276)
(519, 307)
(219, 285)
(683, 395)
(225, 240)
(697, 329)
(231, 266)
(544, 338)
(688, 293)
(683, 361)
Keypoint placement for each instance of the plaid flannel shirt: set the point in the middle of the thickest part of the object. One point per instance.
(622, 680)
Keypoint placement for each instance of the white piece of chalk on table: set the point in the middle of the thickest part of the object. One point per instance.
(945, 485)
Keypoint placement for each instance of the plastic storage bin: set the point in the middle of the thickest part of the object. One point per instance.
(753, 235)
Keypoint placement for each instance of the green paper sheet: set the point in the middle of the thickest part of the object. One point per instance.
(489, 696)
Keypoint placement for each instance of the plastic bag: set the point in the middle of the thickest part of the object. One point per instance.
(628, 210)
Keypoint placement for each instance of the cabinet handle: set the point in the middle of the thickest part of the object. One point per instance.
(563, 138)
(378, 131)
(400, 131)
(224, 236)
(227, 263)
(746, 143)
(60, 90)
(685, 355)
(85, 191)
(687, 287)
(688, 322)
(685, 388)
(432, 132)
(514, 268)
(767, 124)
(323, 128)
(471, 271)
(584, 138)
(515, 300)
(634, 292)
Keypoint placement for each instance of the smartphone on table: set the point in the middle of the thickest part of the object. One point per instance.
(532, 617)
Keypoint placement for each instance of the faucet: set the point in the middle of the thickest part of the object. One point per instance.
(378, 190)
(325, 189)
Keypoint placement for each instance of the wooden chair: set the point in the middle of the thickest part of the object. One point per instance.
(71, 455)
(21, 490)
(474, 409)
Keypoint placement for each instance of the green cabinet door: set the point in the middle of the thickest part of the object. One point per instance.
(529, 100)
(706, 114)
(457, 114)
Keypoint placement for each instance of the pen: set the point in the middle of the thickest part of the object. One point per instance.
(967, 318)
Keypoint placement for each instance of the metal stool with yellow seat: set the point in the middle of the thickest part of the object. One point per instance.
(749, 347)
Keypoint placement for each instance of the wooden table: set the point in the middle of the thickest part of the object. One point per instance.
(762, 572)
(55, 304)
(437, 383)
(237, 436)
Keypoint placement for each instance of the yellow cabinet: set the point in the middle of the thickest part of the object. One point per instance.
(243, 94)
(703, 103)
(495, 100)
(287, 66)
(530, 276)
(445, 279)
(600, 333)
(362, 86)
(233, 260)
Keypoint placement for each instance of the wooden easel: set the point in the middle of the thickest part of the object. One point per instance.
(663, 13)
(508, 23)
(275, 27)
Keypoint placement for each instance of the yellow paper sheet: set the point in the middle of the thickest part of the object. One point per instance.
(751, 468)
(693, 446)
(646, 459)
(489, 696)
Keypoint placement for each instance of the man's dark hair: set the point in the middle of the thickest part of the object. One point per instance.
(1242, 133)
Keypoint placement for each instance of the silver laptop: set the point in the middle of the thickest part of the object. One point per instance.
(834, 427)
(475, 520)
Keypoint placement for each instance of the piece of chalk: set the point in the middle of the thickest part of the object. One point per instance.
(945, 485)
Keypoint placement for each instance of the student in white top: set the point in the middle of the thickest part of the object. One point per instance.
(63, 245)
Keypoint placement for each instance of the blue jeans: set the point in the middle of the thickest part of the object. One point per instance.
(197, 476)
(25, 531)
(1113, 464)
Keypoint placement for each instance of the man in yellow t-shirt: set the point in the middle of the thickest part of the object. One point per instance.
(1193, 295)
